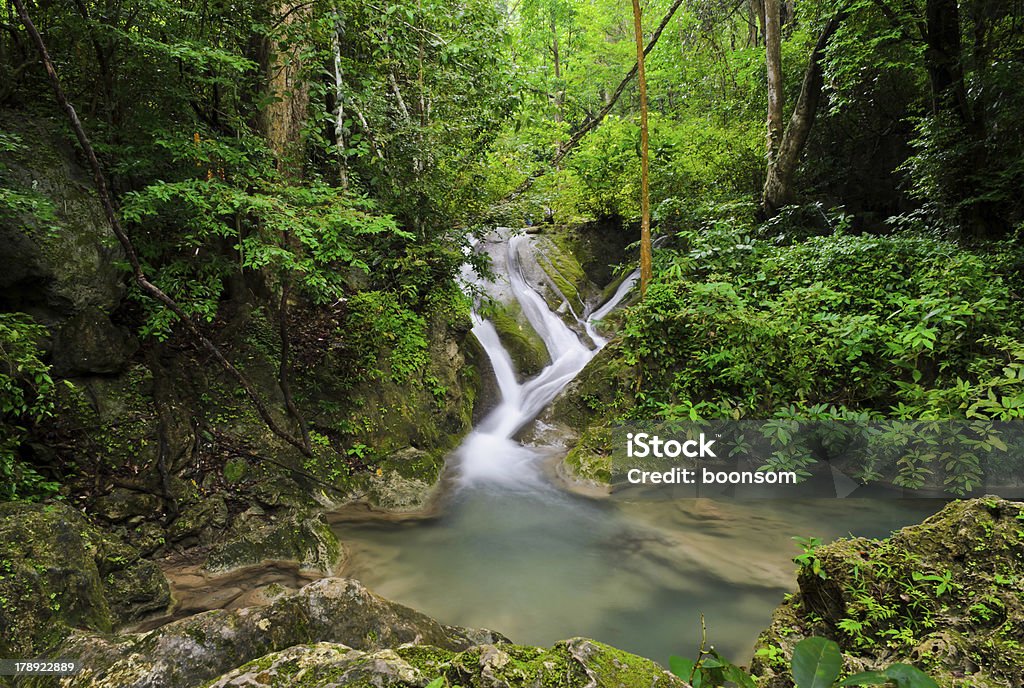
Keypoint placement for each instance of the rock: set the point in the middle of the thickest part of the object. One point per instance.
(408, 482)
(122, 504)
(573, 663)
(89, 343)
(57, 572)
(201, 521)
(946, 596)
(297, 537)
(525, 347)
(194, 650)
(61, 261)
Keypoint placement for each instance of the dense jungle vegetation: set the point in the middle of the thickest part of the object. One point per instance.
(861, 260)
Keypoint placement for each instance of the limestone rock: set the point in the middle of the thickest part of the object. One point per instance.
(575, 663)
(946, 596)
(57, 572)
(194, 650)
(297, 536)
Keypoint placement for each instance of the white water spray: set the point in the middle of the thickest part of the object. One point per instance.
(489, 455)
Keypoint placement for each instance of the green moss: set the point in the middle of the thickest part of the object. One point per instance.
(524, 345)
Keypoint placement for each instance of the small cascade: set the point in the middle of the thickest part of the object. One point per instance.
(490, 455)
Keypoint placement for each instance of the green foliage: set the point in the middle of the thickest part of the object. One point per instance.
(26, 397)
(816, 663)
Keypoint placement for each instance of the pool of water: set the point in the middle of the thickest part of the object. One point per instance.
(635, 571)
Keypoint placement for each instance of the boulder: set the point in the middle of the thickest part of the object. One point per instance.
(192, 651)
(946, 596)
(295, 536)
(58, 572)
(572, 663)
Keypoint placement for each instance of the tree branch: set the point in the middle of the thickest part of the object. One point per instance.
(129, 249)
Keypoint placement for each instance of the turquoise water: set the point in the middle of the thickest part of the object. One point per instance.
(539, 565)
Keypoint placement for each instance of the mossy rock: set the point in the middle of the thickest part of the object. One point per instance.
(590, 459)
(945, 596)
(575, 663)
(603, 388)
(525, 347)
(58, 572)
(303, 538)
(195, 650)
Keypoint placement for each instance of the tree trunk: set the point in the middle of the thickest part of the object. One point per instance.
(778, 186)
(558, 71)
(285, 117)
(773, 62)
(339, 101)
(645, 197)
(755, 22)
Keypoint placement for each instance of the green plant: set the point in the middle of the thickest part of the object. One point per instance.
(816, 663)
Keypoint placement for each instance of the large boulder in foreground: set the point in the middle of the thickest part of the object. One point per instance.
(58, 572)
(199, 648)
(946, 596)
(577, 662)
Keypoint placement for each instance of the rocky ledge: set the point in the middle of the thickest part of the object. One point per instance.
(946, 595)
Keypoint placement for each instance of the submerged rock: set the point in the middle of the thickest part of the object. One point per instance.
(946, 596)
(58, 572)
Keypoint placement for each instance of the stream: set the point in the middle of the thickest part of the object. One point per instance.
(512, 552)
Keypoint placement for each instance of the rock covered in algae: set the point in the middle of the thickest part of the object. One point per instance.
(946, 595)
(58, 572)
(570, 663)
(196, 649)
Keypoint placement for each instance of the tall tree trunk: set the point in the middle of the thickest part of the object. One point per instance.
(285, 117)
(778, 186)
(557, 59)
(339, 101)
(645, 197)
(755, 23)
(284, 121)
(776, 93)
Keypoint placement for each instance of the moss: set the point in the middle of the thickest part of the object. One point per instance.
(57, 572)
(590, 459)
(524, 345)
(934, 595)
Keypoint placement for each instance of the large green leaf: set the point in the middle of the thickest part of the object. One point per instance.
(865, 678)
(907, 676)
(816, 663)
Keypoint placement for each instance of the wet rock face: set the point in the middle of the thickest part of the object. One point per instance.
(60, 264)
(946, 595)
(194, 650)
(58, 572)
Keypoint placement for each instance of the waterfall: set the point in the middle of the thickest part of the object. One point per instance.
(490, 455)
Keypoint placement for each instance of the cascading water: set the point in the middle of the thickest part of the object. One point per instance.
(511, 552)
(489, 454)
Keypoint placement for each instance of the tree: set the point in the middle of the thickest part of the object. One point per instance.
(645, 194)
(783, 161)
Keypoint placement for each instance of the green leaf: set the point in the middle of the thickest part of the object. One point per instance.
(865, 678)
(907, 676)
(816, 663)
(681, 667)
(436, 683)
